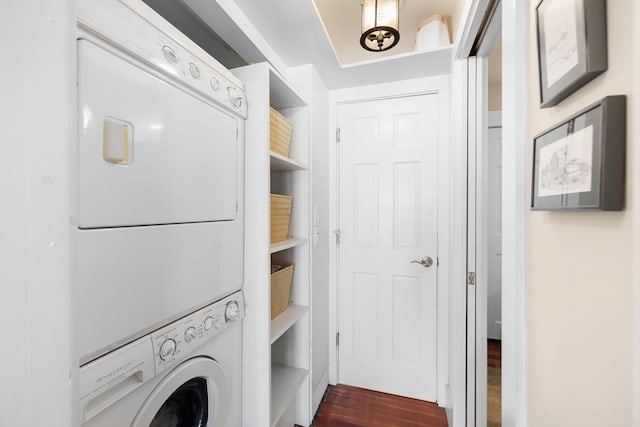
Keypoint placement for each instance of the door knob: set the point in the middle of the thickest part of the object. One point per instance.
(426, 261)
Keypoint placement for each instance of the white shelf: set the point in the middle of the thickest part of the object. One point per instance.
(286, 244)
(285, 382)
(282, 163)
(286, 319)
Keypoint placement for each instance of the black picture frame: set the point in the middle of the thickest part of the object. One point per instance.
(572, 46)
(579, 164)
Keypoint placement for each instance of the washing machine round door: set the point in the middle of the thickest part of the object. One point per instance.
(194, 394)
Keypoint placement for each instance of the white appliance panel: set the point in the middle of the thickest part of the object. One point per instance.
(149, 152)
(126, 386)
(134, 280)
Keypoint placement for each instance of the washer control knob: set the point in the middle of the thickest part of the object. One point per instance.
(208, 323)
(194, 70)
(170, 55)
(215, 83)
(235, 97)
(190, 334)
(167, 349)
(232, 311)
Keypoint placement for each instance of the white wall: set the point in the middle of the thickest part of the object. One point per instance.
(310, 85)
(580, 279)
(495, 96)
(37, 115)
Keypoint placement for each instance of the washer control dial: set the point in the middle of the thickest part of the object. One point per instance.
(170, 54)
(208, 323)
(232, 311)
(189, 334)
(167, 349)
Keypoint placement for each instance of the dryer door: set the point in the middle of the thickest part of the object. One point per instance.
(150, 152)
(193, 395)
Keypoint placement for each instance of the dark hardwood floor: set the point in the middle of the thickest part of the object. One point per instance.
(346, 406)
(494, 353)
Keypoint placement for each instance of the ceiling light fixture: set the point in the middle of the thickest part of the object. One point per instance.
(380, 24)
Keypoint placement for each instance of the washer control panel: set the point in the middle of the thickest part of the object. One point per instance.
(181, 337)
(107, 379)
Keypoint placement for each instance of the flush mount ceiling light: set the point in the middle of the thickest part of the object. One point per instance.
(380, 24)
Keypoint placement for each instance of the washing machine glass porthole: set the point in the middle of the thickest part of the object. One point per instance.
(188, 406)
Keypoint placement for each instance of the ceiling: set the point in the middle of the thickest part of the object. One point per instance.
(289, 33)
(341, 19)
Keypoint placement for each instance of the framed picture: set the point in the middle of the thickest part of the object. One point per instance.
(579, 164)
(572, 46)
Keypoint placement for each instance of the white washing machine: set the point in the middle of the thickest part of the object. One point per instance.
(159, 176)
(186, 374)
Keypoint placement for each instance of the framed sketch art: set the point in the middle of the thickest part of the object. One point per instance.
(579, 164)
(572, 46)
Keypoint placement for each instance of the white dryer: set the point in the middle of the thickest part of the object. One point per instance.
(186, 374)
(159, 176)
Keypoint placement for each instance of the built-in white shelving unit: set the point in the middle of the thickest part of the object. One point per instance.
(287, 244)
(276, 356)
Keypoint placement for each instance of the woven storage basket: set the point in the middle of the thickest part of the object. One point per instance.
(281, 290)
(280, 133)
(280, 215)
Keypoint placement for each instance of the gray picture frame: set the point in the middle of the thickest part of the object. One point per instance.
(579, 164)
(572, 46)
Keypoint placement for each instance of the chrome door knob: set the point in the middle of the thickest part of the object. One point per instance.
(426, 261)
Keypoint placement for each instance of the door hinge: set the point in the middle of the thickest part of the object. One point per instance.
(337, 339)
(338, 135)
(471, 278)
(338, 233)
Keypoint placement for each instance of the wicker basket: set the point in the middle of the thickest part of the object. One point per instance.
(281, 289)
(280, 133)
(280, 215)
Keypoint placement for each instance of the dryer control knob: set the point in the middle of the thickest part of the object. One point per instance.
(235, 97)
(190, 334)
(194, 70)
(170, 55)
(167, 349)
(208, 323)
(232, 312)
(215, 84)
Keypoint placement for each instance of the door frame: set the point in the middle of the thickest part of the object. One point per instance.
(423, 86)
(514, 205)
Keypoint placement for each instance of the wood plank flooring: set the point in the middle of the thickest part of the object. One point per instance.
(494, 353)
(346, 406)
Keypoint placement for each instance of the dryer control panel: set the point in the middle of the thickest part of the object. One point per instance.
(139, 31)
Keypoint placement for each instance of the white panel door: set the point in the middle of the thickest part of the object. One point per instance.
(388, 218)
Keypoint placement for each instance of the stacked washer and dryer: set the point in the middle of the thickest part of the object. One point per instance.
(159, 262)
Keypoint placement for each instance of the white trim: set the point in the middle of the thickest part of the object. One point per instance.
(634, 175)
(514, 209)
(494, 119)
(440, 85)
(38, 361)
(472, 17)
(493, 33)
(472, 304)
(456, 409)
